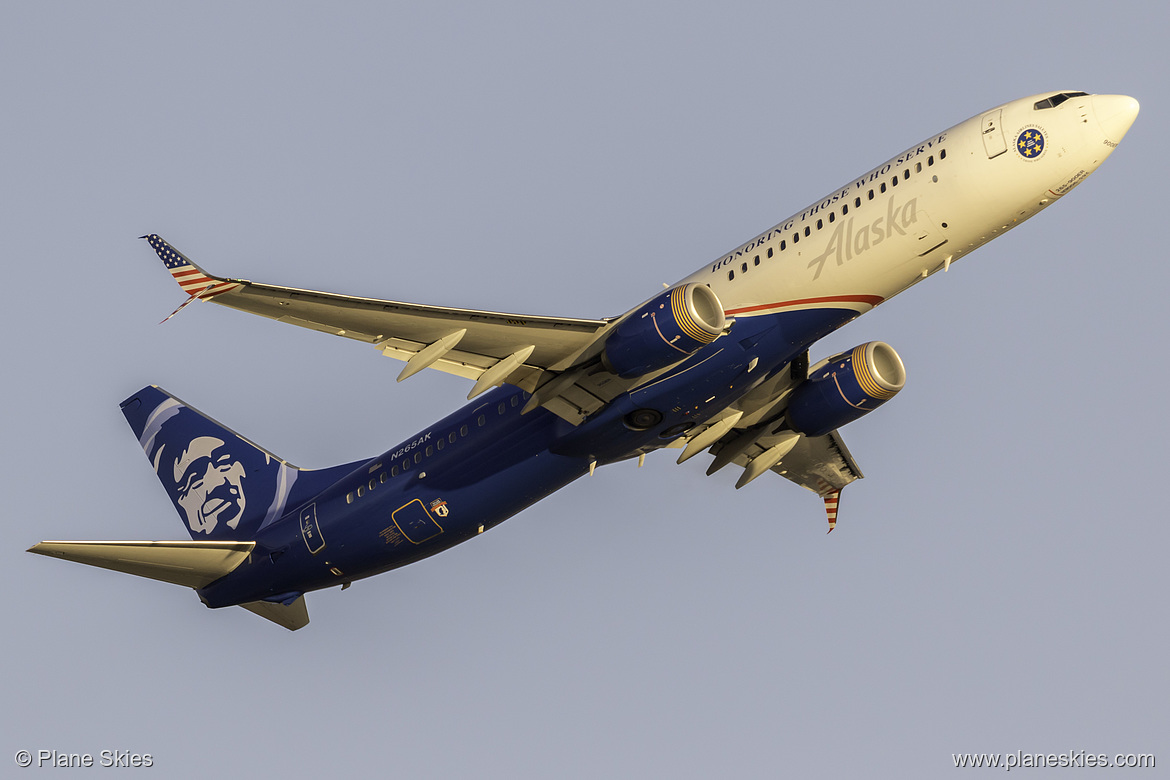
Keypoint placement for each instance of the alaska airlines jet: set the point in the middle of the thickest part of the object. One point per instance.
(719, 362)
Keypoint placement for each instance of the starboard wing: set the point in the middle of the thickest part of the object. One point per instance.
(752, 434)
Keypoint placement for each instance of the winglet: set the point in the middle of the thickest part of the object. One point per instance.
(196, 282)
(831, 502)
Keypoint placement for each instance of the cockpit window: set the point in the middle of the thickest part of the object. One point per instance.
(1056, 100)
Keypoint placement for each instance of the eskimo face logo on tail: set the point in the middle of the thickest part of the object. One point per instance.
(846, 243)
(223, 486)
(209, 481)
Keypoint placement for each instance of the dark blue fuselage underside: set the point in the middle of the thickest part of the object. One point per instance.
(494, 462)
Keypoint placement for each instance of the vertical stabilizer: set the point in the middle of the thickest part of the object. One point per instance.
(223, 486)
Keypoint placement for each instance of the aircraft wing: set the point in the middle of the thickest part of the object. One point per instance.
(752, 434)
(488, 347)
(823, 464)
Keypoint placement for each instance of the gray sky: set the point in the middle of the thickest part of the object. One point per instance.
(996, 583)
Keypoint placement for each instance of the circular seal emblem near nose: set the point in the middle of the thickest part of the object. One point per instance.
(1030, 144)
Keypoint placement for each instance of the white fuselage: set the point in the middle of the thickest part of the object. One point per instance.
(923, 209)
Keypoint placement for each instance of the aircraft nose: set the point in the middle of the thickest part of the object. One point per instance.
(1115, 114)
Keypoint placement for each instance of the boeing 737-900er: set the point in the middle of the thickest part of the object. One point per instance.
(719, 361)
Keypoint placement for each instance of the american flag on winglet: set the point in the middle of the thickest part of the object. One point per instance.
(193, 281)
(831, 501)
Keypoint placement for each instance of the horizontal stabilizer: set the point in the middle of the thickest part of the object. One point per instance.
(192, 564)
(292, 616)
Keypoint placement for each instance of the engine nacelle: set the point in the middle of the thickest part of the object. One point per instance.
(665, 330)
(848, 386)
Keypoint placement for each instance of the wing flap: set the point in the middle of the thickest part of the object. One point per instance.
(493, 335)
(822, 464)
(191, 564)
(469, 365)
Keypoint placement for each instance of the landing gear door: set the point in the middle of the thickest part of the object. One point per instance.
(993, 140)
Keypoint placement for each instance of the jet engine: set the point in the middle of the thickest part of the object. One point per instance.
(664, 330)
(846, 387)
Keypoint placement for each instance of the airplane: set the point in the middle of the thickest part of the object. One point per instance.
(718, 361)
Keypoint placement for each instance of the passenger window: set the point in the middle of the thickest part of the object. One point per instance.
(857, 202)
(361, 491)
(744, 268)
(884, 186)
(440, 444)
(783, 245)
(906, 174)
(418, 457)
(942, 154)
(820, 224)
(501, 408)
(832, 216)
(481, 421)
(770, 249)
(731, 276)
(894, 182)
(515, 401)
(795, 237)
(406, 464)
(807, 232)
(349, 498)
(394, 472)
(462, 430)
(930, 160)
(382, 477)
(844, 210)
(871, 193)
(373, 484)
(918, 167)
(430, 450)
(451, 437)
